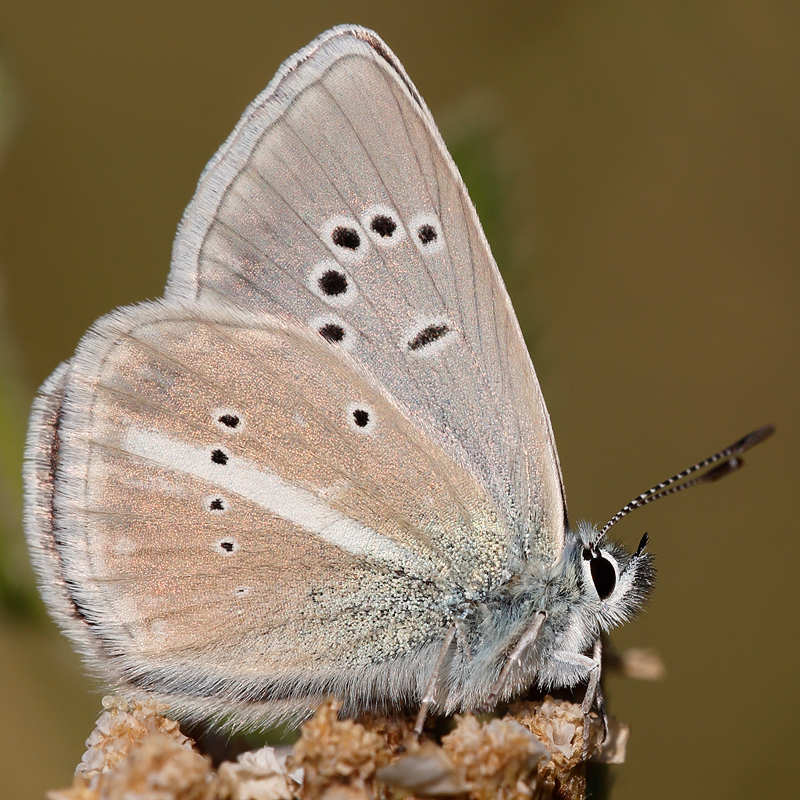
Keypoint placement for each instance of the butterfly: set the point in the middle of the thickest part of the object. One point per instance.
(322, 465)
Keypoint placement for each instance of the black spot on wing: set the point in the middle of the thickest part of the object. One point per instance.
(383, 225)
(219, 457)
(427, 234)
(345, 237)
(428, 335)
(332, 332)
(332, 283)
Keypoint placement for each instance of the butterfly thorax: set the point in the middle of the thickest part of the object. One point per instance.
(590, 588)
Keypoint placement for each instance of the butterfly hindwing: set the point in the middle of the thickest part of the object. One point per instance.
(256, 476)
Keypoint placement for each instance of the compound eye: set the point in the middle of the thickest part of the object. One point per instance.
(604, 573)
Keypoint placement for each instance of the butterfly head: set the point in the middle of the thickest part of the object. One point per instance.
(616, 582)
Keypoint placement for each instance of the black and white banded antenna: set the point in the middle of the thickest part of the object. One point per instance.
(727, 461)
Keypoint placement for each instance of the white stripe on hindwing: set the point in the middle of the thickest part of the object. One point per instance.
(275, 495)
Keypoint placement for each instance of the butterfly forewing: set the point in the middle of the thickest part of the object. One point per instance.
(335, 202)
(260, 479)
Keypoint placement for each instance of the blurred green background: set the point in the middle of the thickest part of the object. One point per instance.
(639, 168)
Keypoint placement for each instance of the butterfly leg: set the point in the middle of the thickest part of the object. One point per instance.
(594, 694)
(600, 704)
(514, 658)
(462, 640)
(430, 689)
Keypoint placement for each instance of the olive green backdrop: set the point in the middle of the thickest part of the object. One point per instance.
(640, 166)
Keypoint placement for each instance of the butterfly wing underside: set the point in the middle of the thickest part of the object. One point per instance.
(336, 203)
(241, 515)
